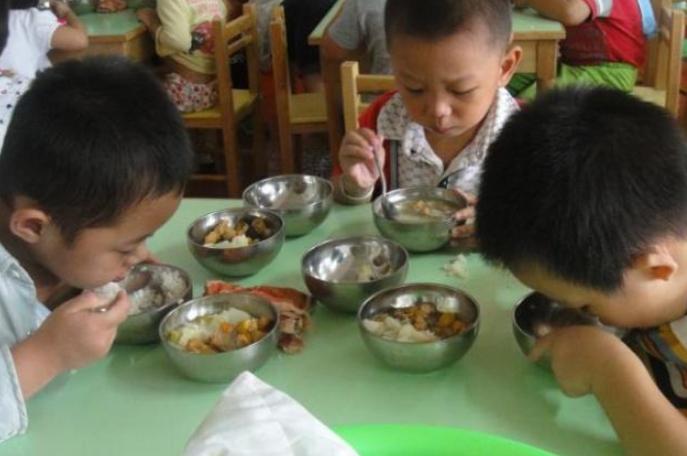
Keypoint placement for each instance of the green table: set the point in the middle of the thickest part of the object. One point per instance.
(135, 403)
(118, 33)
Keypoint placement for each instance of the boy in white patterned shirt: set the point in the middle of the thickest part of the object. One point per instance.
(451, 60)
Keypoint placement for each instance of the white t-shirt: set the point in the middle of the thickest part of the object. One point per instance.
(28, 42)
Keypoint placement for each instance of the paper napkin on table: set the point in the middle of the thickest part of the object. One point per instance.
(253, 418)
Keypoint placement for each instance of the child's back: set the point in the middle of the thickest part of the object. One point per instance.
(95, 160)
(584, 199)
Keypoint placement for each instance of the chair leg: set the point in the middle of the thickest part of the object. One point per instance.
(286, 149)
(231, 161)
(260, 155)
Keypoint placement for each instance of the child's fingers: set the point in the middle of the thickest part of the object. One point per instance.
(463, 231)
(465, 214)
(118, 310)
(470, 199)
(541, 348)
(87, 300)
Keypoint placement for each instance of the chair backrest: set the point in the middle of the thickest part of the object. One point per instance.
(230, 38)
(280, 62)
(664, 53)
(354, 85)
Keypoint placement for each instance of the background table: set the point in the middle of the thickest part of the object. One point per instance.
(537, 36)
(135, 403)
(118, 33)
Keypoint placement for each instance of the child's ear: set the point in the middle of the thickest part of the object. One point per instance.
(509, 63)
(28, 223)
(658, 263)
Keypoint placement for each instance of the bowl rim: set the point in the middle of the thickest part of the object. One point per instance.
(166, 343)
(239, 210)
(472, 326)
(459, 199)
(320, 180)
(334, 241)
(184, 274)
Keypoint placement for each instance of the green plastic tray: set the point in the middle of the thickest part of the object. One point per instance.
(403, 440)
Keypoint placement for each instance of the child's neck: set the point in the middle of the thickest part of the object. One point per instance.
(447, 148)
(46, 283)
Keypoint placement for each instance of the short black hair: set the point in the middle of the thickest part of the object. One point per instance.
(437, 19)
(91, 138)
(580, 182)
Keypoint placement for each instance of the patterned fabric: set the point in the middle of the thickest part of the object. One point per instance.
(20, 315)
(664, 351)
(11, 88)
(190, 96)
(416, 162)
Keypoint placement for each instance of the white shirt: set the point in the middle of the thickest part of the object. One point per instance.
(418, 165)
(20, 314)
(11, 88)
(28, 41)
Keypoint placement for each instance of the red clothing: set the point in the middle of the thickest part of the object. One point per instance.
(613, 33)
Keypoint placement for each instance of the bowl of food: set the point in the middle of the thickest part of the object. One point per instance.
(418, 218)
(342, 273)
(162, 288)
(302, 201)
(215, 338)
(419, 327)
(236, 242)
(537, 315)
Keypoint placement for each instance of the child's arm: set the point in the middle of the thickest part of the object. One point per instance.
(359, 172)
(71, 337)
(588, 360)
(73, 35)
(567, 12)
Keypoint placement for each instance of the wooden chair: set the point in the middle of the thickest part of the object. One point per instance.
(297, 114)
(661, 79)
(233, 104)
(353, 88)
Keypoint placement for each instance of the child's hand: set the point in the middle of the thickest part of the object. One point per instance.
(356, 156)
(60, 8)
(465, 218)
(77, 334)
(148, 16)
(579, 356)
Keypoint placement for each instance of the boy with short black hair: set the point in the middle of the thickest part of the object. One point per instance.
(584, 198)
(95, 160)
(451, 60)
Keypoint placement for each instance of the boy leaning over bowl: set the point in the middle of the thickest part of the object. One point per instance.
(584, 198)
(94, 161)
(451, 60)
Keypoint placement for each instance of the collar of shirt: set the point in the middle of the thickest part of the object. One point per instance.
(394, 124)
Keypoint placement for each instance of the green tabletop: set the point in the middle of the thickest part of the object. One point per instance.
(108, 24)
(524, 21)
(135, 403)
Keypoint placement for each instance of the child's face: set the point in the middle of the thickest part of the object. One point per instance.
(449, 85)
(644, 300)
(104, 254)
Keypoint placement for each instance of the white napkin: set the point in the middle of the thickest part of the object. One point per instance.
(253, 418)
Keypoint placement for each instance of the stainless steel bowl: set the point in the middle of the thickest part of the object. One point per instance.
(220, 367)
(302, 201)
(417, 236)
(421, 356)
(142, 327)
(239, 261)
(537, 314)
(342, 273)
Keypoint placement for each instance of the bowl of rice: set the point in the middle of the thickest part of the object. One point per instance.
(215, 338)
(167, 287)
